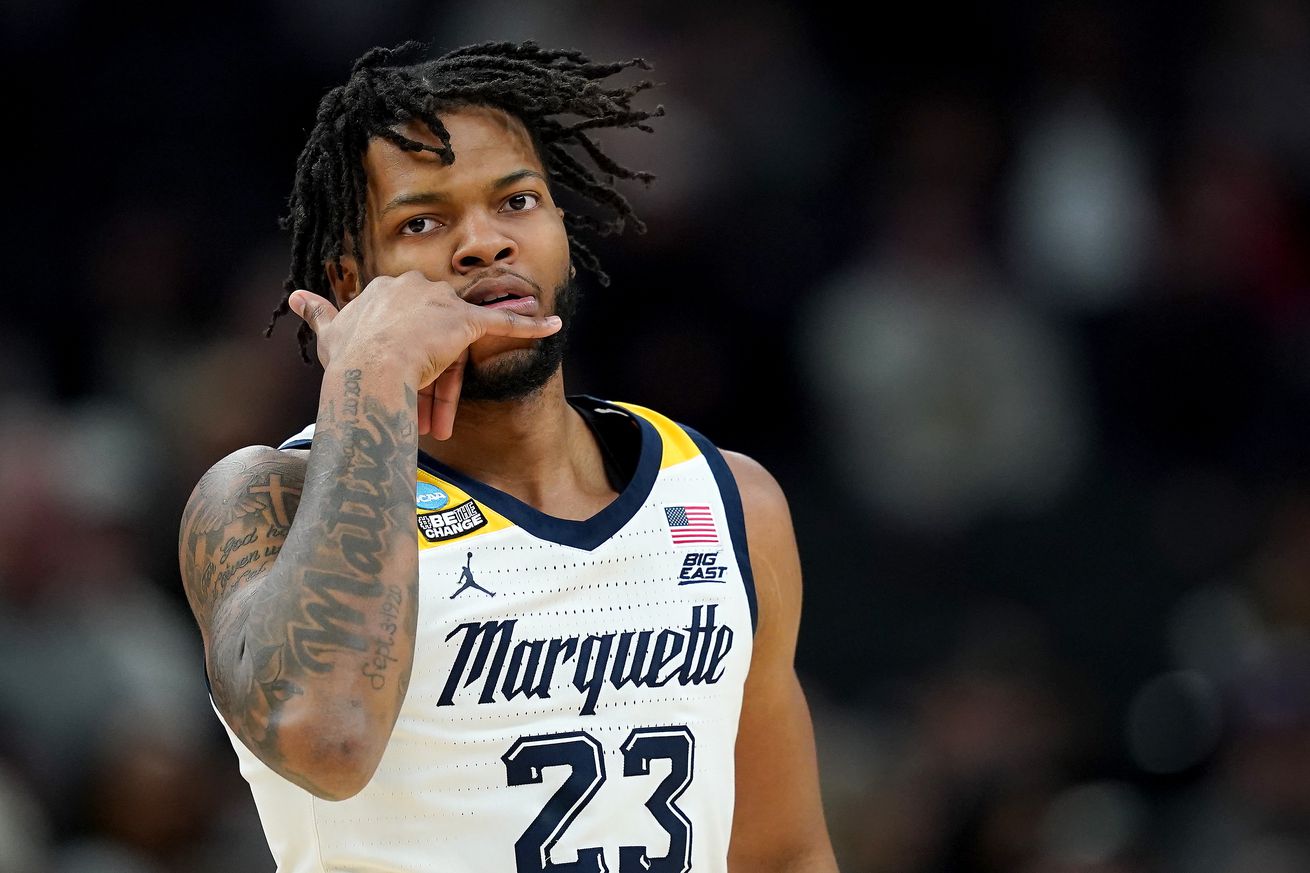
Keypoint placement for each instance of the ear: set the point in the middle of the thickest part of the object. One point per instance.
(344, 280)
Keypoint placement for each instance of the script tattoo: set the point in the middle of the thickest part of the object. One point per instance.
(238, 506)
(231, 530)
(354, 528)
(329, 590)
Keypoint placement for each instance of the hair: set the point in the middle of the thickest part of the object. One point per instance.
(389, 86)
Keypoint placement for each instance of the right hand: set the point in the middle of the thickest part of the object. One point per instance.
(423, 326)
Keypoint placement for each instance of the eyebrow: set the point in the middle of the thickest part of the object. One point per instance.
(430, 198)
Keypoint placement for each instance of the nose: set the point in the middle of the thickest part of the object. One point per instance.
(481, 244)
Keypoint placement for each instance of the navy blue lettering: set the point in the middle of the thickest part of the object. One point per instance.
(619, 676)
(558, 649)
(722, 645)
(488, 654)
(487, 634)
(667, 646)
(519, 679)
(692, 670)
(590, 673)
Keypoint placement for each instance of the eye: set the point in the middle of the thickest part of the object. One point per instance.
(416, 226)
(522, 202)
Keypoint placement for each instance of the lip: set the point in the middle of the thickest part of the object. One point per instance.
(520, 305)
(498, 286)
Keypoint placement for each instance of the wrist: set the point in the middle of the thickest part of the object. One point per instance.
(370, 365)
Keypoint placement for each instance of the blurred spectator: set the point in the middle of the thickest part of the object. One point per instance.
(945, 397)
(1079, 211)
(1082, 211)
(24, 832)
(102, 699)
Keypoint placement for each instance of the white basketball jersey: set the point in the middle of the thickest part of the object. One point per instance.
(576, 686)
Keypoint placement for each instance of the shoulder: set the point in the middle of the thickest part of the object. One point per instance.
(770, 539)
(762, 499)
(256, 480)
(754, 477)
(774, 560)
(244, 499)
(257, 484)
(244, 467)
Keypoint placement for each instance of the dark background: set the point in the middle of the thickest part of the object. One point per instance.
(1013, 301)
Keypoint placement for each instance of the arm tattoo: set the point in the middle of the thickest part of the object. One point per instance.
(342, 595)
(240, 510)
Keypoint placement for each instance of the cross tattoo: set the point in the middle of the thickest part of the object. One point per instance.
(277, 498)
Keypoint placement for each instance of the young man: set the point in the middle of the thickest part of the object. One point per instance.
(497, 627)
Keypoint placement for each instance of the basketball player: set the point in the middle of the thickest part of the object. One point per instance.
(464, 622)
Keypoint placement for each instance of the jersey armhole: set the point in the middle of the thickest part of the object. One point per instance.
(736, 516)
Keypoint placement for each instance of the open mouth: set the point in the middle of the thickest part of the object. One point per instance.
(524, 304)
(500, 298)
(502, 290)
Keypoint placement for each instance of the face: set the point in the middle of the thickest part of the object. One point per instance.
(487, 213)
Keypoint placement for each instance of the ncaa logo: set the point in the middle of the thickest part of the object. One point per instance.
(430, 496)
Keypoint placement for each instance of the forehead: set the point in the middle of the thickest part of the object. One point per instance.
(487, 143)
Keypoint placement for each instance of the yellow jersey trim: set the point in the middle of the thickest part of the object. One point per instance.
(678, 447)
(457, 497)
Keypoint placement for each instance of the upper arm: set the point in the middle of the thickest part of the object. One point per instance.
(277, 623)
(231, 532)
(778, 821)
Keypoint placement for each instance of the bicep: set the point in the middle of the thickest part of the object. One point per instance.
(232, 530)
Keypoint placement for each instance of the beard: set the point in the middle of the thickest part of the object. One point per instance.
(523, 372)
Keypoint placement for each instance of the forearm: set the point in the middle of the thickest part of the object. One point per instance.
(320, 652)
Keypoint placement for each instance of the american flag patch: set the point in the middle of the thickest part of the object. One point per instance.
(691, 525)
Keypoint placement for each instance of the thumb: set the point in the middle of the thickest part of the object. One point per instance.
(316, 311)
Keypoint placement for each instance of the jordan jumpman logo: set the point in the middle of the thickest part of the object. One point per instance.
(466, 581)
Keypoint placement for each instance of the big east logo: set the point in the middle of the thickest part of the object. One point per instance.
(701, 567)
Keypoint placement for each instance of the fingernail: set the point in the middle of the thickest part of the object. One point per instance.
(297, 304)
(553, 320)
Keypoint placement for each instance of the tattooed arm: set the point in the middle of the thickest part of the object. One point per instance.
(303, 577)
(303, 572)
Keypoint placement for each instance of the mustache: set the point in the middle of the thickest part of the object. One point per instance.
(496, 273)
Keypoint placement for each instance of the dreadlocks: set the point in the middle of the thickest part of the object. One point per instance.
(391, 86)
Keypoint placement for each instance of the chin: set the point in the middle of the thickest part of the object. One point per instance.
(501, 369)
(494, 350)
(511, 375)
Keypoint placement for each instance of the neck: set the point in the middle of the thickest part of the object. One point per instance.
(536, 448)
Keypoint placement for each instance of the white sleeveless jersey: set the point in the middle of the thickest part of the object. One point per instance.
(576, 686)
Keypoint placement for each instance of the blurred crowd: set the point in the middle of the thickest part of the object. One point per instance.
(1013, 300)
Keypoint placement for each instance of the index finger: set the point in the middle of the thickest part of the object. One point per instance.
(503, 322)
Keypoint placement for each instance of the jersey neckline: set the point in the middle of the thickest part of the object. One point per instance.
(584, 534)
